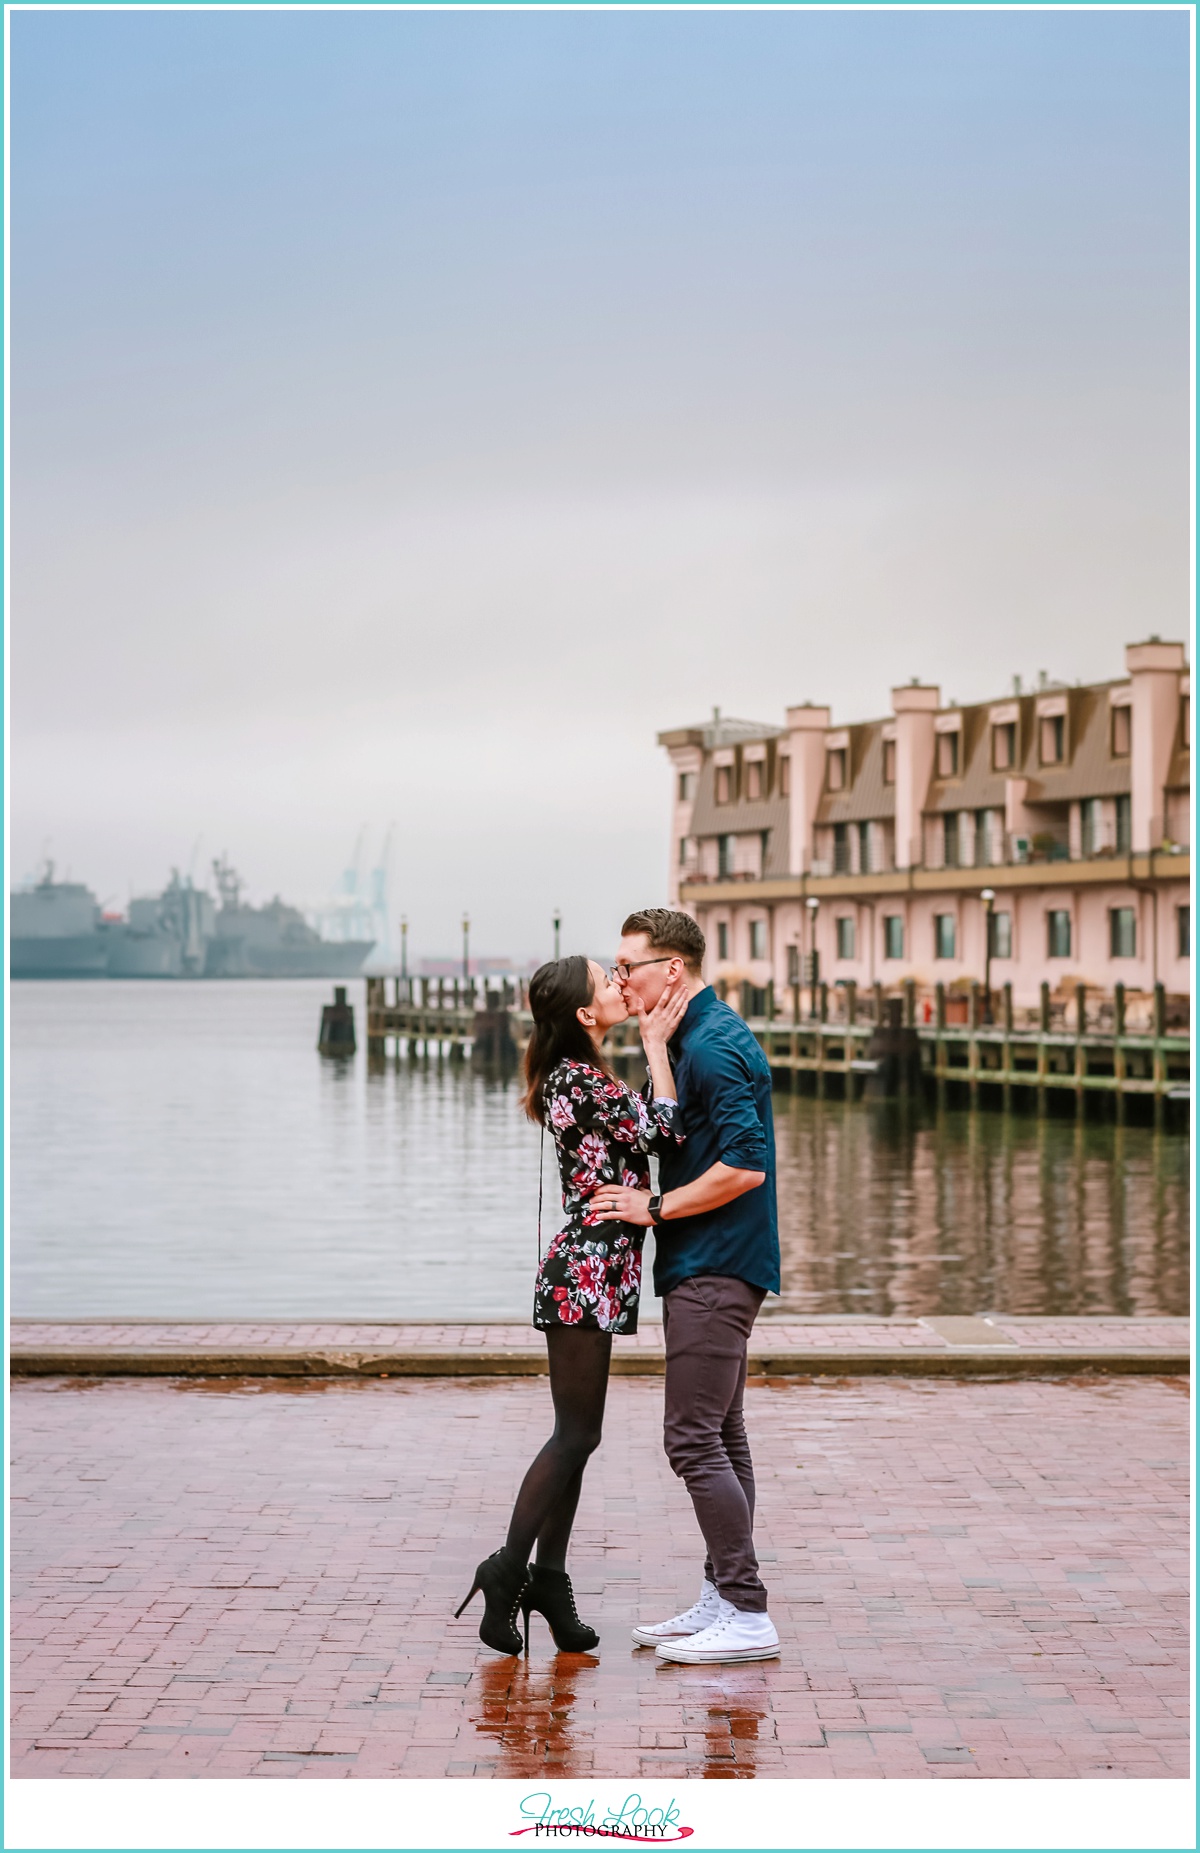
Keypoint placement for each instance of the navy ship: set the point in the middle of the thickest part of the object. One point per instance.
(274, 941)
(165, 936)
(58, 931)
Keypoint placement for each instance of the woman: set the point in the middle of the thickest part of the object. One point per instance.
(588, 1284)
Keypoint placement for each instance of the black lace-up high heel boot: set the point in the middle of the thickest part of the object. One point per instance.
(549, 1592)
(504, 1584)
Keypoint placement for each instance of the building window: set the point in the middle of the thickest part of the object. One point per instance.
(724, 784)
(985, 838)
(944, 936)
(722, 940)
(835, 769)
(1124, 829)
(845, 936)
(1090, 826)
(947, 755)
(864, 849)
(1122, 732)
(685, 786)
(1058, 933)
(889, 762)
(1185, 722)
(1053, 736)
(1183, 922)
(793, 964)
(1122, 933)
(764, 850)
(950, 853)
(785, 774)
(754, 779)
(841, 850)
(1004, 746)
(1000, 935)
(724, 859)
(683, 842)
(893, 936)
(758, 939)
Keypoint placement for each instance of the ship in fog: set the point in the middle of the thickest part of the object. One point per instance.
(57, 930)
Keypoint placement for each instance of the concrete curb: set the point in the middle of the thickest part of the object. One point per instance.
(905, 1361)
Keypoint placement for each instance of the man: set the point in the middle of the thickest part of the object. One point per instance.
(716, 1259)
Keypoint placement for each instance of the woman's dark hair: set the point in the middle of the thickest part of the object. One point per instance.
(556, 991)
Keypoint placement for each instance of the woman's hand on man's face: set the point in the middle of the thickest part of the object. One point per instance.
(660, 1024)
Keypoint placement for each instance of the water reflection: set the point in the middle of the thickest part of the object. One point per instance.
(888, 1208)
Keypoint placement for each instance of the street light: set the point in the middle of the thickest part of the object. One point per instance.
(466, 945)
(557, 930)
(988, 897)
(812, 904)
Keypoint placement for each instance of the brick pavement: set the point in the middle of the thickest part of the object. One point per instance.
(256, 1579)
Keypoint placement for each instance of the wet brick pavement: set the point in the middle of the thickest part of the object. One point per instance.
(256, 1579)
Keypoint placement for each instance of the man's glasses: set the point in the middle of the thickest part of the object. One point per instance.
(621, 972)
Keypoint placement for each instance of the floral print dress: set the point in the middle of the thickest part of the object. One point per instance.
(591, 1274)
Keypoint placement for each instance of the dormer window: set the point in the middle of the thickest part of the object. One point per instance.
(785, 775)
(1052, 739)
(724, 785)
(835, 769)
(754, 779)
(685, 786)
(889, 762)
(947, 755)
(1004, 746)
(1122, 731)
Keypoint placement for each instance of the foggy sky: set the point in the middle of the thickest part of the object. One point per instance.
(412, 413)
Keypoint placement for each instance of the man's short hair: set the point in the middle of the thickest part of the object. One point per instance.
(669, 931)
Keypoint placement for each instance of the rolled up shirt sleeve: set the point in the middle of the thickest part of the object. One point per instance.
(726, 1089)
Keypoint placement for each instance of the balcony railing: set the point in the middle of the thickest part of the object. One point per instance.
(1008, 849)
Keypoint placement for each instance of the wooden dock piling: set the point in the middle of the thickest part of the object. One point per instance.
(996, 1061)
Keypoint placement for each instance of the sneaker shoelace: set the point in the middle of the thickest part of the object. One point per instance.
(699, 1612)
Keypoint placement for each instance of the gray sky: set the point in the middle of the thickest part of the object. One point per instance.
(412, 413)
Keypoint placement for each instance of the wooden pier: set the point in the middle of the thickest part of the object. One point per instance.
(828, 1047)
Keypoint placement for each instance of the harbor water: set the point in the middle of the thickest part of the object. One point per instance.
(180, 1151)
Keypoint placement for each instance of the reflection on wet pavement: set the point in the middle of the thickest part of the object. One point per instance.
(566, 1713)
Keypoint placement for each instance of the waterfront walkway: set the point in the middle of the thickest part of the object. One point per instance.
(781, 1346)
(256, 1578)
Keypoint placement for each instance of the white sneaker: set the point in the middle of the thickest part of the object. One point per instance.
(736, 1634)
(692, 1621)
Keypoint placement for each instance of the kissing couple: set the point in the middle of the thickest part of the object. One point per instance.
(706, 1112)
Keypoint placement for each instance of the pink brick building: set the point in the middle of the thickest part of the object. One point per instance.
(1062, 815)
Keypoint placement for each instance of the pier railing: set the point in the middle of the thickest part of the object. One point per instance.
(1072, 1047)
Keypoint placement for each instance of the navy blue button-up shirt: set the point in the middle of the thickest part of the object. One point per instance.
(724, 1088)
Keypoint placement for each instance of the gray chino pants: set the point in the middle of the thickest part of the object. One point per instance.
(706, 1325)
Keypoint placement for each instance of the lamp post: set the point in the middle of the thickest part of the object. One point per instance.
(988, 897)
(466, 946)
(557, 930)
(811, 906)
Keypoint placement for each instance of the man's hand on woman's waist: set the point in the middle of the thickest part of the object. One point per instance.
(720, 1184)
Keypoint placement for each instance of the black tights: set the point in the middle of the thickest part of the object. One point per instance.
(545, 1508)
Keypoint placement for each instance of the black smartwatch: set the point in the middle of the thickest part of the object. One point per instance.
(655, 1208)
